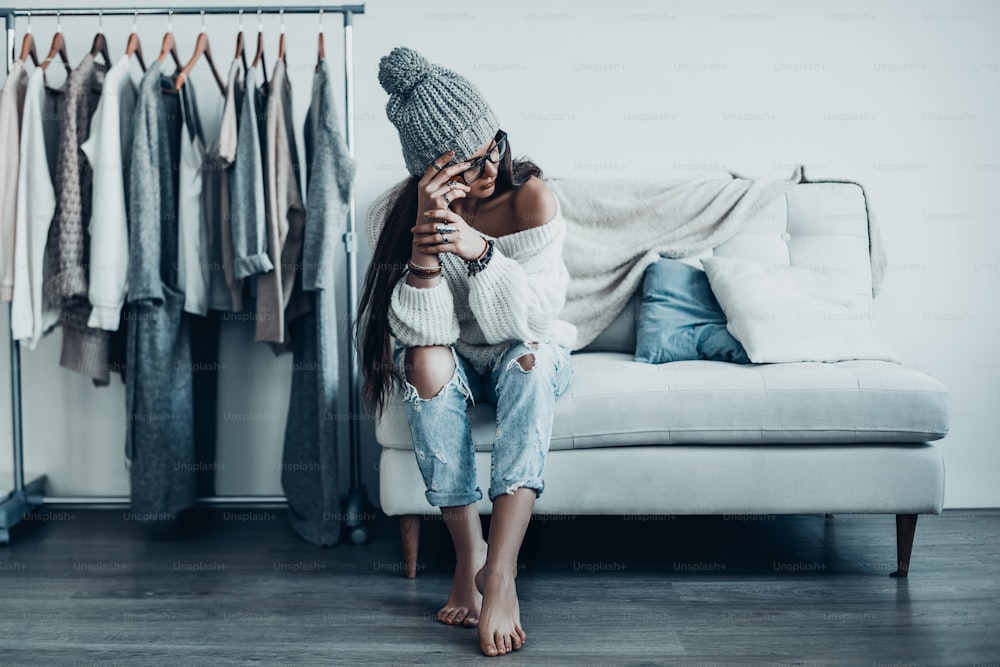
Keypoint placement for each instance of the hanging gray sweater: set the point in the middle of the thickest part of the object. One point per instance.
(248, 207)
(310, 471)
(158, 383)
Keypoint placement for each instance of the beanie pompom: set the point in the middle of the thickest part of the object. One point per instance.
(401, 70)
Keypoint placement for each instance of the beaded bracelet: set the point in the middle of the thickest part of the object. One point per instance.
(479, 263)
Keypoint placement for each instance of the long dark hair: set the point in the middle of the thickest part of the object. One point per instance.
(388, 263)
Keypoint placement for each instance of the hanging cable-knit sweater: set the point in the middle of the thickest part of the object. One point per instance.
(516, 298)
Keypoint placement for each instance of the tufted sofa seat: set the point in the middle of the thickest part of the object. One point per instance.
(707, 437)
(616, 402)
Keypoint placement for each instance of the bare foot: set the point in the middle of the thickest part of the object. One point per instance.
(464, 600)
(500, 629)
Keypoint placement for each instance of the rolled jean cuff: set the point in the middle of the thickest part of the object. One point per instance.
(497, 490)
(446, 499)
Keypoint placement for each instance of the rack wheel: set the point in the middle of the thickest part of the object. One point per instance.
(359, 535)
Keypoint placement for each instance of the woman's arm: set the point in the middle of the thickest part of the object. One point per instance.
(422, 309)
(517, 297)
(423, 315)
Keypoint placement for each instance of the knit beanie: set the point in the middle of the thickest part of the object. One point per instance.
(434, 109)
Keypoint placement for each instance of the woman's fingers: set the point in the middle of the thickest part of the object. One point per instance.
(452, 191)
(434, 167)
(438, 236)
(453, 187)
(437, 173)
(435, 244)
(437, 216)
(450, 173)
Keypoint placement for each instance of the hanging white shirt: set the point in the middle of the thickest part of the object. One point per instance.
(32, 316)
(108, 226)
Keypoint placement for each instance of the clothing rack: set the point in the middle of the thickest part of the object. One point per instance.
(27, 497)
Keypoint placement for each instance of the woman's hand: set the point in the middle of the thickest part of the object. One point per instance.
(436, 190)
(456, 237)
(438, 187)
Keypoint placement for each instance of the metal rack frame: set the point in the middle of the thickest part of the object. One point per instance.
(26, 497)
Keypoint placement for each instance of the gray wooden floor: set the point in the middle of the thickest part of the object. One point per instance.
(235, 587)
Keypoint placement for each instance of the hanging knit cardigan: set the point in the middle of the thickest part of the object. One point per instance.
(84, 349)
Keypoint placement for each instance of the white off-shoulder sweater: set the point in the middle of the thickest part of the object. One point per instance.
(516, 298)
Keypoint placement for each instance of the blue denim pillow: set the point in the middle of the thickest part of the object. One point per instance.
(680, 318)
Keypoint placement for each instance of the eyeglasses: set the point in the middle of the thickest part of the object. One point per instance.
(478, 164)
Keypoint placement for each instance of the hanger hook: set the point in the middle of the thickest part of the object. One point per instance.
(100, 20)
(321, 19)
(281, 12)
(203, 20)
(58, 21)
(29, 22)
(260, 20)
(135, 19)
(241, 19)
(170, 20)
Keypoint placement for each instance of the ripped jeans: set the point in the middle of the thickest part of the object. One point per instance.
(525, 404)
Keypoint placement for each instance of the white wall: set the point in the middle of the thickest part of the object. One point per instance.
(902, 96)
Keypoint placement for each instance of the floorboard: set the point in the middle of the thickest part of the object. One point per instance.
(237, 587)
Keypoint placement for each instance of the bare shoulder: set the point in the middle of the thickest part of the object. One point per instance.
(534, 204)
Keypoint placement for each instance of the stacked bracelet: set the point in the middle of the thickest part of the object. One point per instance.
(479, 263)
(423, 271)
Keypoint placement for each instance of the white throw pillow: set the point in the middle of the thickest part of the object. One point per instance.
(785, 313)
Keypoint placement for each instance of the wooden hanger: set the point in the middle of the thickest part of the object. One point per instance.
(241, 51)
(200, 47)
(134, 47)
(169, 45)
(58, 48)
(259, 56)
(28, 46)
(281, 40)
(322, 47)
(100, 45)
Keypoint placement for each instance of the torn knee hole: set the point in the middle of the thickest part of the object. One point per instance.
(427, 392)
(527, 361)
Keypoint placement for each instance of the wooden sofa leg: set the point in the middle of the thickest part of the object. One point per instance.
(409, 528)
(906, 526)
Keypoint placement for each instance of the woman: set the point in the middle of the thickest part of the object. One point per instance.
(461, 304)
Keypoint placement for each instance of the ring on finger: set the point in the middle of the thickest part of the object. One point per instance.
(445, 229)
(444, 239)
(447, 197)
(437, 166)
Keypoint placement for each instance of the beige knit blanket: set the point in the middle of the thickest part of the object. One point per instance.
(618, 227)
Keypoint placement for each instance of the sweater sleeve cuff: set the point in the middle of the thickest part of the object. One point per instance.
(244, 267)
(105, 317)
(433, 300)
(423, 315)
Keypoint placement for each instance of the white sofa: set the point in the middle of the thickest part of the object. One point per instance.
(706, 437)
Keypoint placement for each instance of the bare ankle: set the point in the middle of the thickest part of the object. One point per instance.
(472, 556)
(500, 571)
